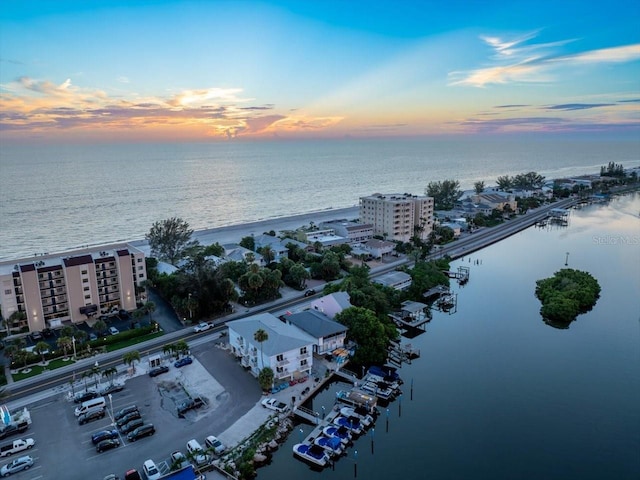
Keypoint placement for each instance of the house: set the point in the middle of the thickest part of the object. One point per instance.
(332, 304)
(236, 253)
(396, 280)
(379, 248)
(287, 350)
(278, 247)
(353, 231)
(328, 333)
(497, 200)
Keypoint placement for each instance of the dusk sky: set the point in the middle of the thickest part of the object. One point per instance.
(96, 71)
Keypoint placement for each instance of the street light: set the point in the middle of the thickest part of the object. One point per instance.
(189, 305)
(73, 340)
(111, 405)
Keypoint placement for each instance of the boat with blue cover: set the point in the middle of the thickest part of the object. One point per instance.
(343, 433)
(333, 445)
(311, 453)
(351, 423)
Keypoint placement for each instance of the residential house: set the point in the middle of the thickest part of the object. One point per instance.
(397, 280)
(497, 200)
(278, 246)
(379, 248)
(332, 304)
(353, 231)
(237, 253)
(327, 333)
(287, 349)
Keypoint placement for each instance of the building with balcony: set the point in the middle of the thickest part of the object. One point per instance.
(287, 350)
(328, 333)
(398, 216)
(53, 290)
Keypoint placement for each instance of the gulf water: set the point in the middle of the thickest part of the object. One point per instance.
(59, 197)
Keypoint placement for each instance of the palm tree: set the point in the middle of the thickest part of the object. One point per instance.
(41, 349)
(149, 307)
(181, 348)
(65, 343)
(109, 373)
(100, 326)
(169, 348)
(261, 336)
(130, 358)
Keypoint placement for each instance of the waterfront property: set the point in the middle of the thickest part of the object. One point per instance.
(287, 350)
(327, 333)
(52, 290)
(332, 304)
(398, 216)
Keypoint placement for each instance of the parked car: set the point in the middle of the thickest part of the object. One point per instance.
(111, 476)
(154, 372)
(105, 445)
(131, 426)
(190, 404)
(93, 336)
(128, 417)
(36, 336)
(151, 470)
(214, 444)
(132, 474)
(84, 396)
(124, 411)
(113, 388)
(90, 416)
(183, 361)
(141, 432)
(202, 327)
(178, 460)
(274, 404)
(113, 331)
(97, 437)
(47, 332)
(197, 453)
(309, 292)
(13, 428)
(19, 464)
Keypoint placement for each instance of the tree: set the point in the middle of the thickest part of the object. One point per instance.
(130, 358)
(479, 187)
(299, 275)
(265, 379)
(249, 243)
(181, 348)
(100, 326)
(170, 239)
(109, 373)
(148, 308)
(445, 194)
(505, 182)
(368, 332)
(268, 254)
(261, 336)
(567, 294)
(41, 348)
(169, 348)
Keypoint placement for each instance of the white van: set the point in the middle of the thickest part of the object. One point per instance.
(197, 452)
(90, 405)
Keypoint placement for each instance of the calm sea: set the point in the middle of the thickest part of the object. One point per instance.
(499, 394)
(55, 198)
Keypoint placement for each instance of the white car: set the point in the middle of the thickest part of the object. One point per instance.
(151, 470)
(274, 404)
(214, 444)
(113, 331)
(202, 327)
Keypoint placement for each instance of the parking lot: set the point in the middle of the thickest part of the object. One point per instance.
(64, 448)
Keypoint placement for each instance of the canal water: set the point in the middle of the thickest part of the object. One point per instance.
(498, 393)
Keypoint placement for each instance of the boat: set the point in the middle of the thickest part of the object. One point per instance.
(351, 423)
(343, 433)
(356, 397)
(311, 453)
(333, 445)
(379, 389)
(384, 371)
(359, 413)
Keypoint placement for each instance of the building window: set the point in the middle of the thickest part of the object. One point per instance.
(303, 363)
(86, 289)
(141, 275)
(139, 260)
(84, 272)
(85, 280)
(7, 292)
(87, 297)
(140, 267)
(280, 358)
(303, 351)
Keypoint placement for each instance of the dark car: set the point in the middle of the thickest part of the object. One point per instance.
(84, 396)
(128, 417)
(97, 437)
(309, 292)
(113, 388)
(154, 372)
(190, 404)
(105, 445)
(183, 361)
(13, 428)
(131, 426)
(36, 336)
(132, 475)
(125, 411)
(91, 416)
(141, 432)
(47, 332)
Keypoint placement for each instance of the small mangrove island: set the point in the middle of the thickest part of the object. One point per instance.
(567, 294)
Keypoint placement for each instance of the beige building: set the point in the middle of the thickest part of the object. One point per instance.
(398, 216)
(53, 290)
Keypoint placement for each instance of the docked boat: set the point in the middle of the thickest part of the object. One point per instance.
(350, 423)
(333, 445)
(343, 433)
(385, 372)
(311, 453)
(357, 398)
(381, 390)
(359, 413)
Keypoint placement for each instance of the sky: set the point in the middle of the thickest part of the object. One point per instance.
(148, 71)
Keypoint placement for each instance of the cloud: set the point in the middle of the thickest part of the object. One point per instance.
(578, 106)
(518, 61)
(122, 79)
(514, 105)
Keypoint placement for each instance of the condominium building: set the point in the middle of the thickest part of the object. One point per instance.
(53, 290)
(398, 216)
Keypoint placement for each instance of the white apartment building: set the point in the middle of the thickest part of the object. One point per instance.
(71, 287)
(398, 216)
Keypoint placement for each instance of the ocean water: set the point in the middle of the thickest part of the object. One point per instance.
(60, 197)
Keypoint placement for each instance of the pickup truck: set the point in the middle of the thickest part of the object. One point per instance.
(202, 327)
(16, 446)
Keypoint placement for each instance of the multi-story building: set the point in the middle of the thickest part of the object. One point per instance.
(354, 232)
(398, 216)
(53, 290)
